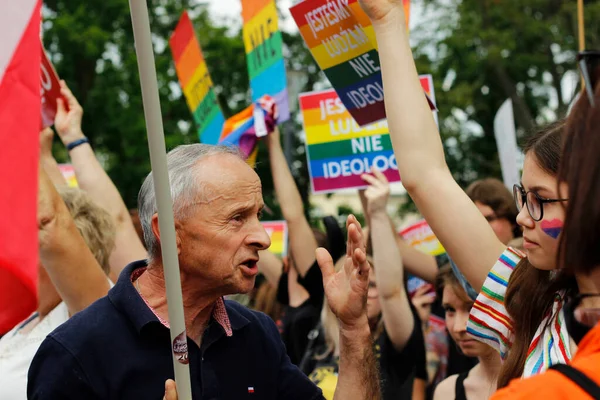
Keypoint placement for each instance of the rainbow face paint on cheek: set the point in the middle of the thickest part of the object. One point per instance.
(552, 228)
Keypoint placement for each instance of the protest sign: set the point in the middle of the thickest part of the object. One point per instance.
(264, 52)
(195, 81)
(338, 149)
(49, 90)
(341, 39)
(68, 172)
(420, 236)
(278, 233)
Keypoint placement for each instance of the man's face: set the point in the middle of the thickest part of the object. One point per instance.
(221, 234)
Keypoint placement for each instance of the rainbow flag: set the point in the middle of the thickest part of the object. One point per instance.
(341, 39)
(195, 81)
(244, 128)
(338, 150)
(263, 44)
(278, 232)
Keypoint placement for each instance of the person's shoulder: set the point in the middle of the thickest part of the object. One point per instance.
(446, 389)
(86, 324)
(551, 384)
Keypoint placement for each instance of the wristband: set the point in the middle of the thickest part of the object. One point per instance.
(76, 143)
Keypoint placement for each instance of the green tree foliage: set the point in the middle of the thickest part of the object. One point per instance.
(480, 52)
(485, 51)
(92, 48)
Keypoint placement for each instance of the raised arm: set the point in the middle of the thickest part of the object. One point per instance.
(415, 262)
(47, 160)
(395, 307)
(457, 223)
(346, 292)
(70, 264)
(92, 178)
(302, 241)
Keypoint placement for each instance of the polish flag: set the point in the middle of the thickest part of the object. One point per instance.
(20, 60)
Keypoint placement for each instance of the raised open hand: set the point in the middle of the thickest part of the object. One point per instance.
(68, 123)
(378, 192)
(422, 301)
(346, 290)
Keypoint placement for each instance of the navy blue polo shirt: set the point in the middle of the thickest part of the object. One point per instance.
(118, 349)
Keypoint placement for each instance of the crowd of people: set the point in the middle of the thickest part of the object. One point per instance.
(518, 289)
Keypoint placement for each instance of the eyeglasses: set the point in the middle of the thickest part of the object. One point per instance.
(535, 203)
(589, 63)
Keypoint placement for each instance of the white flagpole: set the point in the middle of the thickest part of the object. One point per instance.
(164, 202)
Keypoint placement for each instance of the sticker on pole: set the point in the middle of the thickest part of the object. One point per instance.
(180, 348)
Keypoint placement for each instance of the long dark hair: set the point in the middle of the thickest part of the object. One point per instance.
(530, 292)
(580, 169)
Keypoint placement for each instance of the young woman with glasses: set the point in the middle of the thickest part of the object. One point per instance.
(519, 311)
(579, 252)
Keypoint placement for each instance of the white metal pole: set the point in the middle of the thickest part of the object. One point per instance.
(164, 203)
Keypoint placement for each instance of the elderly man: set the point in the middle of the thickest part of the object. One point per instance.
(120, 346)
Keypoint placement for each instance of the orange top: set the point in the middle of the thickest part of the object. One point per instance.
(552, 385)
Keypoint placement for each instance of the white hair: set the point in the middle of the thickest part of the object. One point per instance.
(185, 185)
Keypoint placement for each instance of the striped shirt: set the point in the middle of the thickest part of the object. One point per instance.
(490, 323)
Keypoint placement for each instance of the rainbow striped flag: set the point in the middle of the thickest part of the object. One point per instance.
(264, 51)
(246, 127)
(195, 81)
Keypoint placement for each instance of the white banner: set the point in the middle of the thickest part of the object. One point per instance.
(506, 140)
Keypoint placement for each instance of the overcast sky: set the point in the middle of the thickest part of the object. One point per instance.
(233, 9)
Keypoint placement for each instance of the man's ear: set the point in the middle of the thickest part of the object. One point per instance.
(178, 236)
(156, 231)
(155, 227)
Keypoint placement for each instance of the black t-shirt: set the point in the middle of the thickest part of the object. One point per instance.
(297, 322)
(294, 326)
(312, 282)
(398, 369)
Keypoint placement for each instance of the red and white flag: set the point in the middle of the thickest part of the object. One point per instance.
(20, 59)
